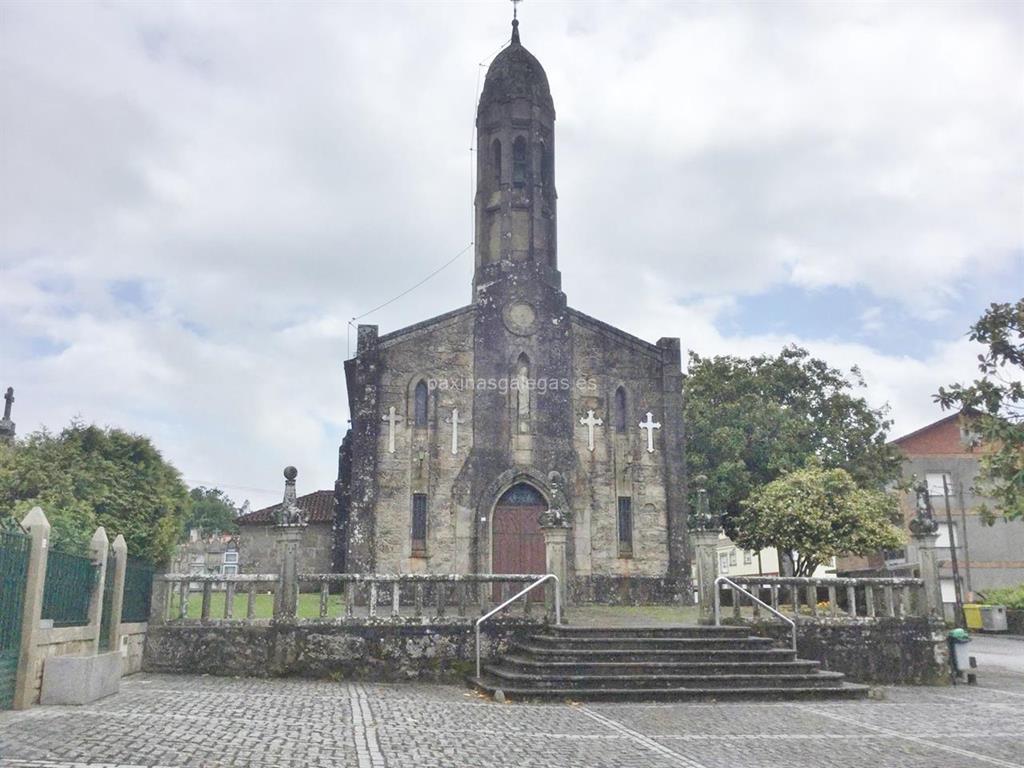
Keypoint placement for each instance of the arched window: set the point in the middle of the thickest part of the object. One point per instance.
(519, 161)
(619, 411)
(545, 165)
(496, 160)
(420, 408)
(522, 393)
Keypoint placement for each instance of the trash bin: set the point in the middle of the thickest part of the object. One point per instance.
(972, 615)
(958, 640)
(993, 618)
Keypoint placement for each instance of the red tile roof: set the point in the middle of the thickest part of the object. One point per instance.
(318, 506)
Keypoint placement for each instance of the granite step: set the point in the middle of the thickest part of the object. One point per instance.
(767, 693)
(661, 630)
(528, 680)
(666, 642)
(658, 664)
(544, 665)
(654, 655)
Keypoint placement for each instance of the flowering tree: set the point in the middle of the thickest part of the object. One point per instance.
(813, 514)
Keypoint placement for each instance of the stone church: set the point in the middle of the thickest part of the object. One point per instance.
(474, 431)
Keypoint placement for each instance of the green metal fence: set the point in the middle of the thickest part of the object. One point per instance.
(138, 590)
(70, 580)
(108, 604)
(14, 549)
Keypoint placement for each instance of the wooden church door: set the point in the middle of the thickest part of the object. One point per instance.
(517, 542)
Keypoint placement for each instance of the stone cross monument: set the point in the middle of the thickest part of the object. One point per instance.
(6, 425)
(291, 522)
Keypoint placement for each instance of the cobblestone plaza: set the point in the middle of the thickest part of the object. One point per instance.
(161, 720)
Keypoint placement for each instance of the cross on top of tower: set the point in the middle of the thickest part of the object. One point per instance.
(515, 21)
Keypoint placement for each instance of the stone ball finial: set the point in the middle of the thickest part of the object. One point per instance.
(290, 473)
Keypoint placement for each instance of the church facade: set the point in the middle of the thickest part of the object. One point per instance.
(474, 430)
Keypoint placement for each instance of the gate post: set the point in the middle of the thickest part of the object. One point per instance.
(120, 548)
(705, 546)
(929, 564)
(38, 529)
(99, 547)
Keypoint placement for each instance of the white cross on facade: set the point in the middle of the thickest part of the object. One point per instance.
(454, 420)
(393, 421)
(650, 425)
(590, 422)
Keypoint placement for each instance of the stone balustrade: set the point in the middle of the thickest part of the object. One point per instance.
(168, 586)
(808, 599)
(351, 597)
(428, 597)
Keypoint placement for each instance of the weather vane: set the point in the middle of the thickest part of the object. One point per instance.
(515, 8)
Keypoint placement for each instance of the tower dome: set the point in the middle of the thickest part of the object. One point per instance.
(515, 189)
(515, 73)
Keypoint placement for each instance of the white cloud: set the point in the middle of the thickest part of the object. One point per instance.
(258, 175)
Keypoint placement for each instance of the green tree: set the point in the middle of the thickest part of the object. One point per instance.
(87, 476)
(751, 420)
(814, 514)
(211, 511)
(995, 406)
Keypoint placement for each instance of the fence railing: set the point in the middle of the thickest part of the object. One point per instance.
(344, 596)
(70, 580)
(809, 599)
(138, 591)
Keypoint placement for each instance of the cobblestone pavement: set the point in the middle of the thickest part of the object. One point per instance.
(162, 720)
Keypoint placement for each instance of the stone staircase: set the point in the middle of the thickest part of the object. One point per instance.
(658, 664)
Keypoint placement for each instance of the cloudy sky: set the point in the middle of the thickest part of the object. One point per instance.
(195, 198)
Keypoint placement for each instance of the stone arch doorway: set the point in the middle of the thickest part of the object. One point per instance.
(517, 541)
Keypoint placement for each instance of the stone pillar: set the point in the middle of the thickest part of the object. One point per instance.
(555, 538)
(929, 565)
(99, 547)
(705, 552)
(286, 598)
(120, 548)
(38, 528)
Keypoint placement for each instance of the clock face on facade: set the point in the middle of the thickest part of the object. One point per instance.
(520, 318)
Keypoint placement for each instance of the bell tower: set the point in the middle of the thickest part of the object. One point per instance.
(515, 189)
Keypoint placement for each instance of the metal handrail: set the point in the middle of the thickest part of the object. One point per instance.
(734, 585)
(537, 583)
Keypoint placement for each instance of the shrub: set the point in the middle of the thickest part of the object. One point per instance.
(1011, 597)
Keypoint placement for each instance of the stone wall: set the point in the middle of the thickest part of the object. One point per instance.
(909, 651)
(135, 646)
(65, 641)
(628, 590)
(258, 549)
(383, 650)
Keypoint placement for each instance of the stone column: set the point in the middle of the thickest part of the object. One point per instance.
(38, 528)
(705, 552)
(99, 547)
(555, 538)
(929, 564)
(289, 537)
(120, 548)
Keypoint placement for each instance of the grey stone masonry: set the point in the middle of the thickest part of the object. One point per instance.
(517, 388)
